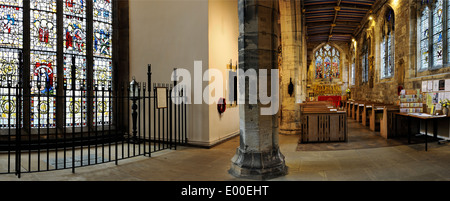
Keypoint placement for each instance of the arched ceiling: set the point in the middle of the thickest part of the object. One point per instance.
(334, 20)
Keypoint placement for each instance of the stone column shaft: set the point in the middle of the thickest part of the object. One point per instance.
(258, 155)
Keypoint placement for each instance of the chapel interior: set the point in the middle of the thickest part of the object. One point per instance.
(362, 89)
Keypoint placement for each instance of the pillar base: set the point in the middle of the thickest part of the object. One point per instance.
(258, 165)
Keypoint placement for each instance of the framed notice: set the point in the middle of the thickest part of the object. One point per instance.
(430, 86)
(435, 85)
(424, 86)
(161, 97)
(447, 85)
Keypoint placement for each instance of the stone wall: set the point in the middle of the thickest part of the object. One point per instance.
(384, 90)
(406, 74)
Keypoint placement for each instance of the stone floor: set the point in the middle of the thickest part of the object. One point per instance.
(387, 163)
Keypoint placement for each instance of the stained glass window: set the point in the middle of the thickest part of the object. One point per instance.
(327, 63)
(383, 57)
(431, 25)
(365, 62)
(353, 73)
(438, 42)
(386, 49)
(102, 68)
(43, 35)
(43, 51)
(424, 35)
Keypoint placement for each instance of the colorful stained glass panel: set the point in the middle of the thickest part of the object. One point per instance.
(102, 84)
(43, 112)
(103, 11)
(383, 57)
(437, 34)
(11, 27)
(43, 31)
(43, 73)
(75, 94)
(74, 35)
(75, 7)
(102, 107)
(448, 30)
(102, 40)
(102, 72)
(43, 5)
(319, 68)
(75, 110)
(9, 60)
(424, 35)
(17, 3)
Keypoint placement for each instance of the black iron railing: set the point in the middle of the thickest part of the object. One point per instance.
(94, 126)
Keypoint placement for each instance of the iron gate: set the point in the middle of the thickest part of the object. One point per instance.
(98, 125)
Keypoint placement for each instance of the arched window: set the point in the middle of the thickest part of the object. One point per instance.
(327, 62)
(387, 45)
(365, 61)
(352, 67)
(431, 34)
(56, 37)
(424, 36)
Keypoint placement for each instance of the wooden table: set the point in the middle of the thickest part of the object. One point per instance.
(421, 116)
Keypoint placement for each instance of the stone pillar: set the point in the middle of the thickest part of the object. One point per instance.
(258, 156)
(291, 68)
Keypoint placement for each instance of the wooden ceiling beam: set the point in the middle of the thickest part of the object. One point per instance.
(336, 11)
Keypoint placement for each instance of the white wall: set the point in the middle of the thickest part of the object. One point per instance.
(170, 34)
(223, 26)
(173, 34)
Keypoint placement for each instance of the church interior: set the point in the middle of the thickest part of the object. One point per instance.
(362, 90)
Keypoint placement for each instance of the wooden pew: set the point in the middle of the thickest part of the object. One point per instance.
(322, 123)
(374, 121)
(359, 110)
(349, 108)
(353, 110)
(387, 123)
(367, 111)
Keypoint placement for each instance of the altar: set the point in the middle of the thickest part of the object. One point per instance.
(335, 100)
